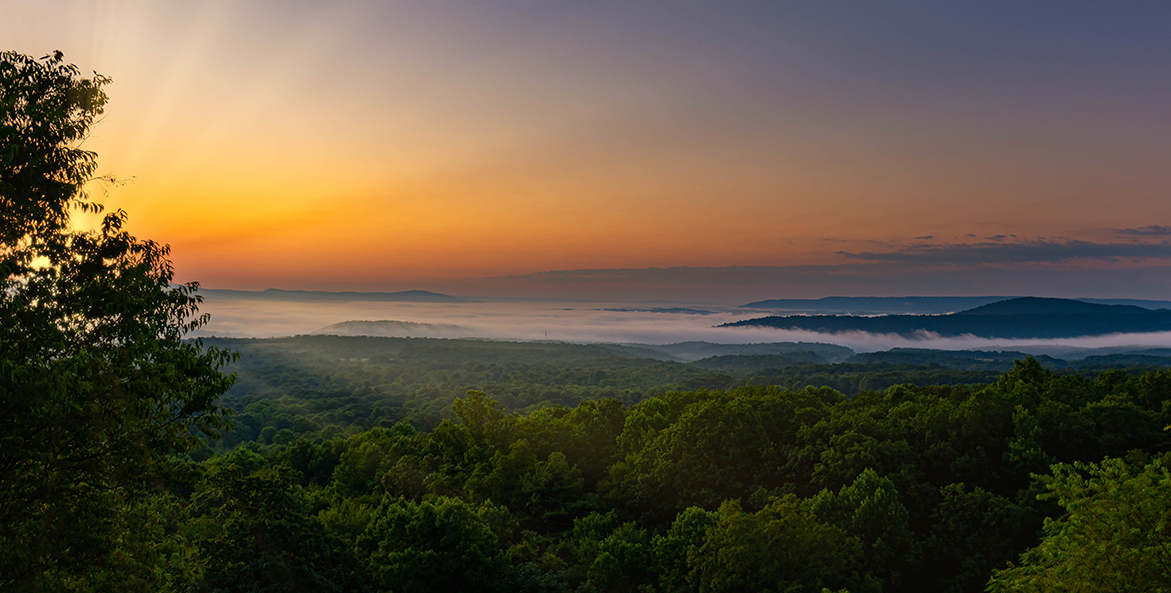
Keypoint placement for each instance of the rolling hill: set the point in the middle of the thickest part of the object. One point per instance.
(1019, 318)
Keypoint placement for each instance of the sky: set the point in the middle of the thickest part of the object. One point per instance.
(729, 151)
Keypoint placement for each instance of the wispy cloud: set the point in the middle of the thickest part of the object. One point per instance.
(689, 275)
(1154, 230)
(999, 264)
(997, 251)
(899, 274)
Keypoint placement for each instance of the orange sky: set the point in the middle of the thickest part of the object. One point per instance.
(385, 145)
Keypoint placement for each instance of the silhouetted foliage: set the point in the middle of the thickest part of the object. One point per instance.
(97, 387)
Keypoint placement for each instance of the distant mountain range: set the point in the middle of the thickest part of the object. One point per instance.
(1015, 318)
(912, 304)
(395, 329)
(322, 296)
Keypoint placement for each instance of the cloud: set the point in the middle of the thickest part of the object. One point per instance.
(1154, 230)
(687, 274)
(999, 252)
(875, 277)
(925, 237)
(1056, 266)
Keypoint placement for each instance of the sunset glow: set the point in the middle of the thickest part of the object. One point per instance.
(389, 146)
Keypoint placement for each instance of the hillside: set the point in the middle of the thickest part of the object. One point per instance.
(875, 305)
(1050, 306)
(908, 305)
(1020, 318)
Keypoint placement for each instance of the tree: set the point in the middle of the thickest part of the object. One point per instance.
(782, 547)
(1113, 537)
(98, 388)
(441, 545)
(973, 533)
(254, 534)
(870, 510)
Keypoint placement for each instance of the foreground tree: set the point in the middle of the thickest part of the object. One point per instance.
(1113, 538)
(98, 389)
(253, 533)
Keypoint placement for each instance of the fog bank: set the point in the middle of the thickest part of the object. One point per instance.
(609, 322)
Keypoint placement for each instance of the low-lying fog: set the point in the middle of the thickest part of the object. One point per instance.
(576, 321)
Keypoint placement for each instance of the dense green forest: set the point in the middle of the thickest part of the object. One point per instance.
(587, 468)
(330, 385)
(760, 488)
(327, 386)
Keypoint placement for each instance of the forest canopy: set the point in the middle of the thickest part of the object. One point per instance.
(758, 488)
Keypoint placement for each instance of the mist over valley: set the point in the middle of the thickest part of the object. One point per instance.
(658, 323)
